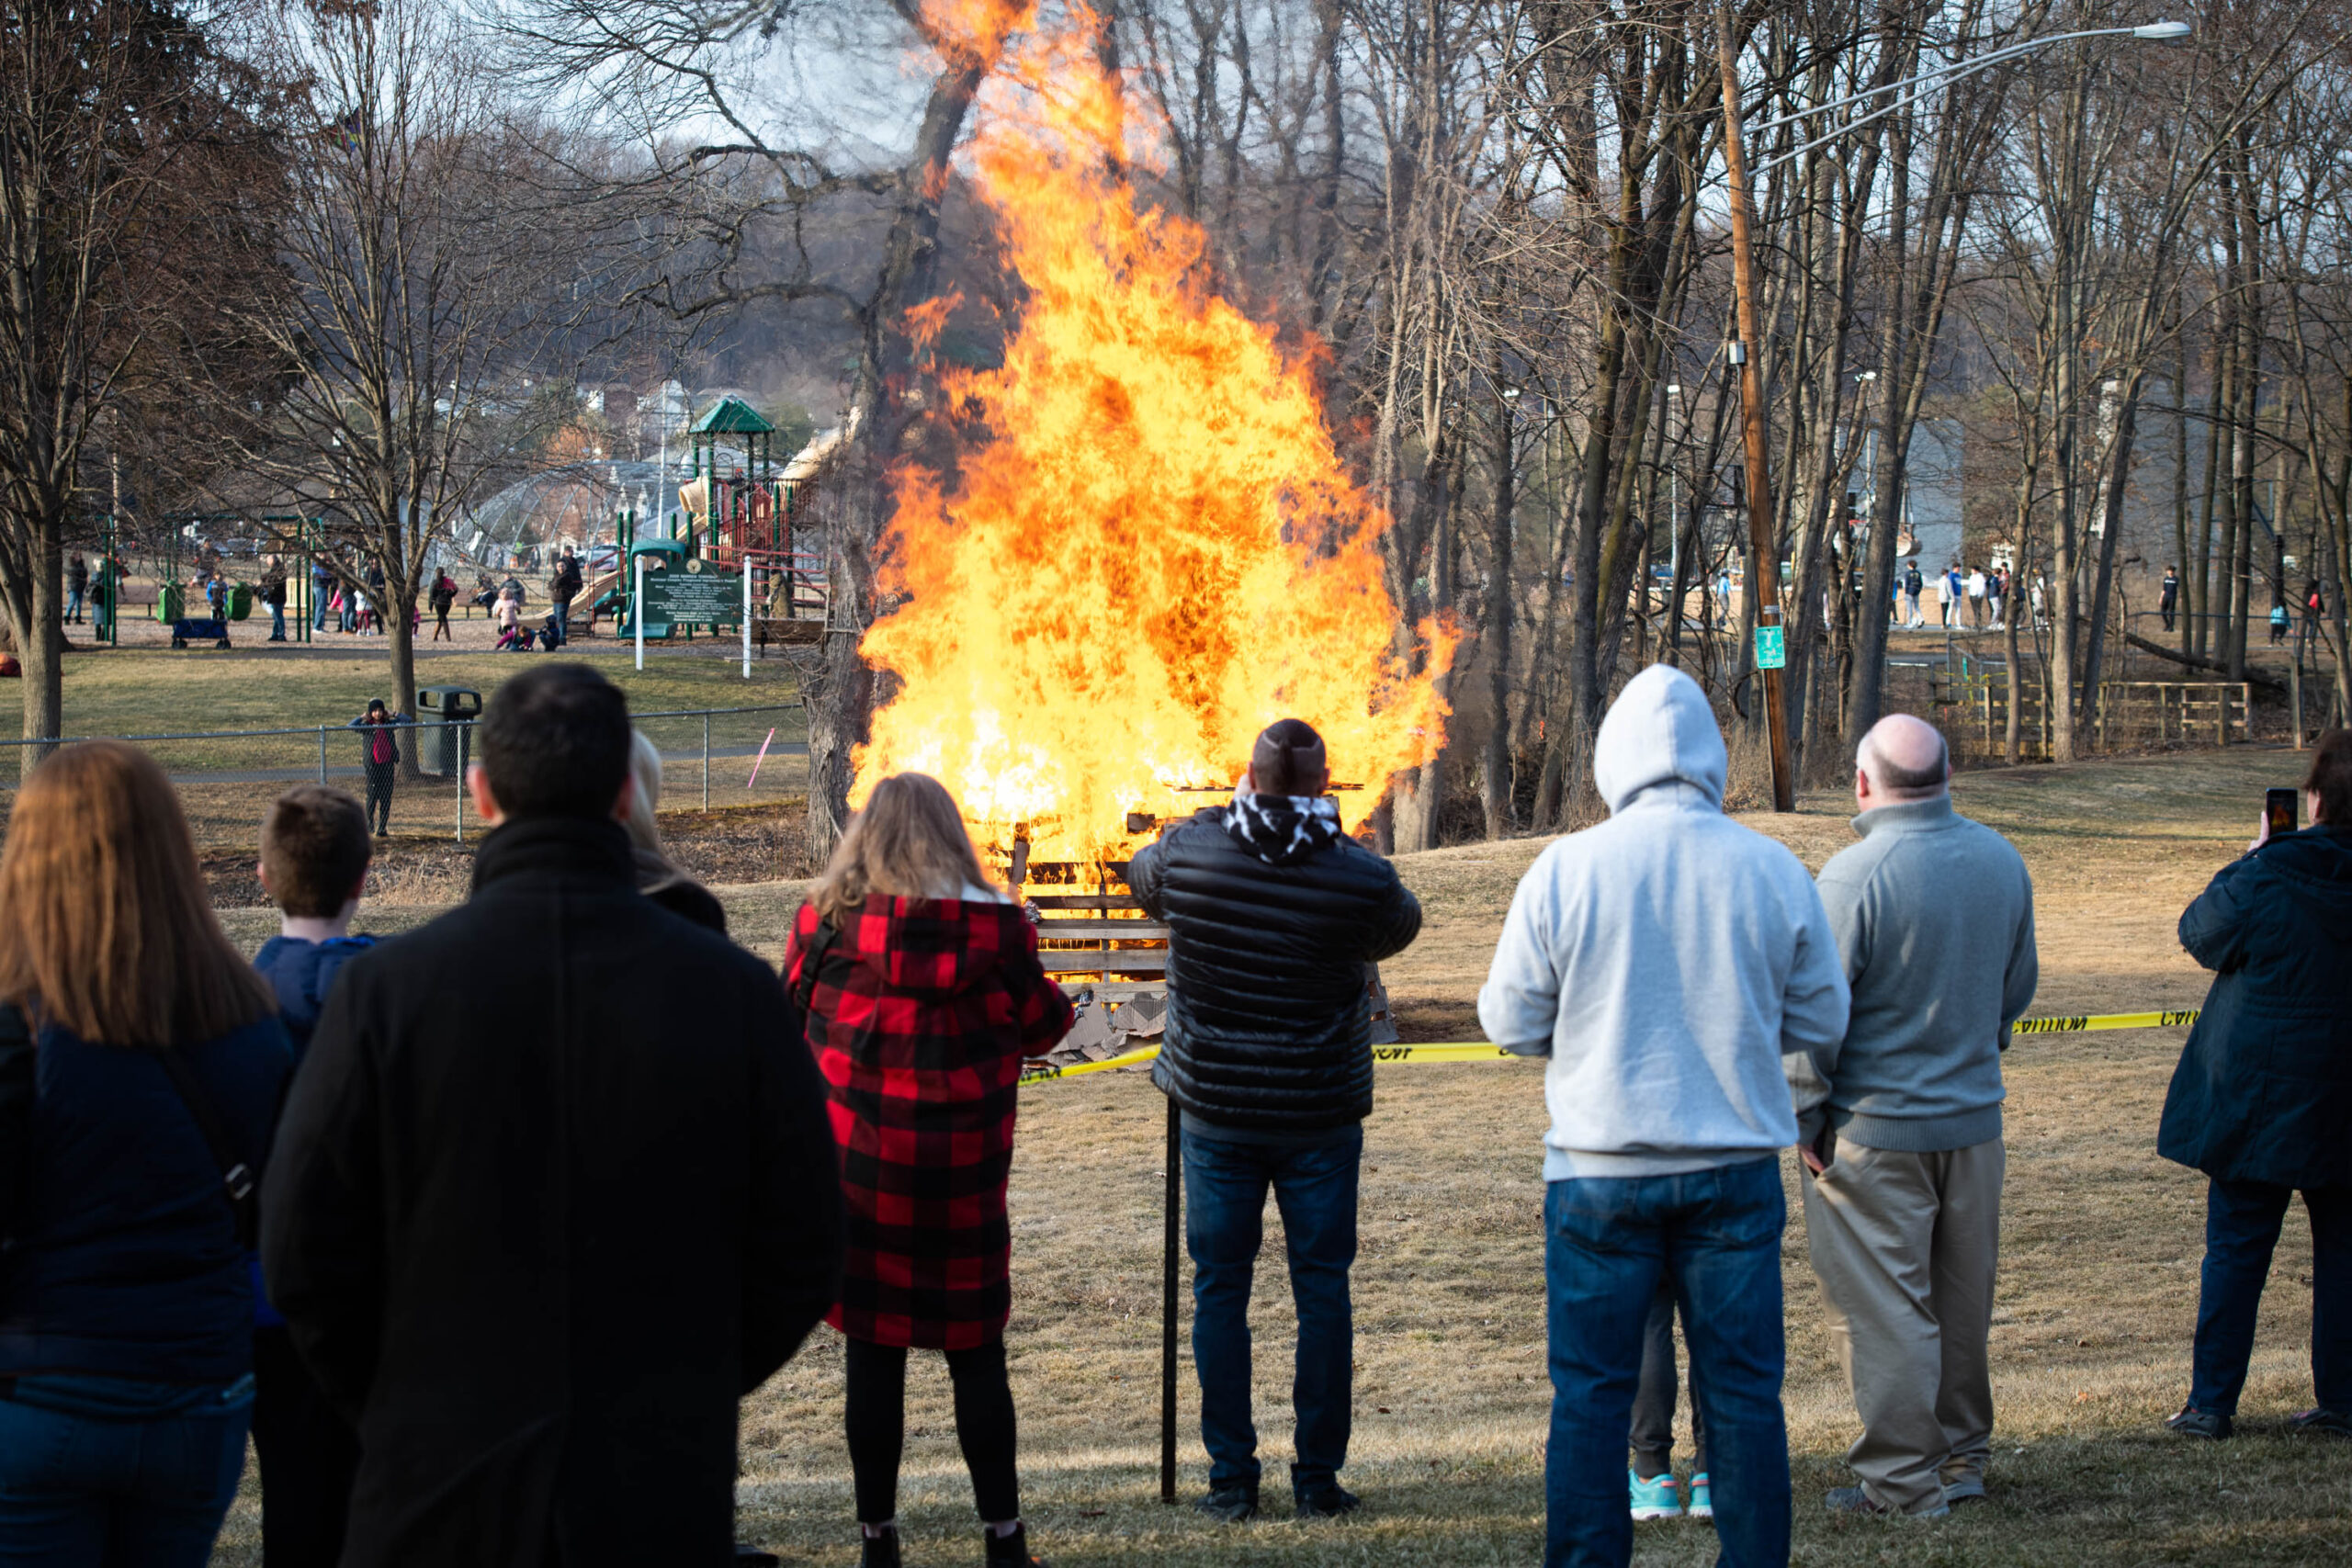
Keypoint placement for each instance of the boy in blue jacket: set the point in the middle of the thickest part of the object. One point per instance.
(314, 854)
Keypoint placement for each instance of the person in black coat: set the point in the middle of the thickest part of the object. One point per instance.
(1272, 914)
(2262, 1098)
(535, 1240)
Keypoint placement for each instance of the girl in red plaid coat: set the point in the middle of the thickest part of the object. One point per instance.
(924, 993)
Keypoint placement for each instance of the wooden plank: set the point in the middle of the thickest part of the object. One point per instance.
(1116, 930)
(1143, 961)
(1082, 900)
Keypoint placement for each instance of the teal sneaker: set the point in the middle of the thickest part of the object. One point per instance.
(1702, 1505)
(1658, 1499)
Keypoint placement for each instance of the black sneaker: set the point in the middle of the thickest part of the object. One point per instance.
(1010, 1550)
(880, 1551)
(2205, 1426)
(2322, 1422)
(1234, 1505)
(1333, 1502)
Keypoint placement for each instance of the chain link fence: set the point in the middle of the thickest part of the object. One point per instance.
(712, 758)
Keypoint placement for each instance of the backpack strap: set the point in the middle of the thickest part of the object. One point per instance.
(237, 1180)
(811, 957)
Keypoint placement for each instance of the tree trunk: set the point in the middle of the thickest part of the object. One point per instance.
(40, 640)
(1495, 770)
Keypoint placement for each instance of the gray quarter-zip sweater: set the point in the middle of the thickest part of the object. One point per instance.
(1934, 919)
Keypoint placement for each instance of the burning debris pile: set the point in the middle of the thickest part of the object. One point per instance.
(1149, 547)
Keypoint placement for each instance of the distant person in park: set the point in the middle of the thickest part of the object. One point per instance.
(922, 988)
(141, 1064)
(535, 1241)
(507, 615)
(273, 593)
(2263, 1096)
(2041, 602)
(322, 590)
(1899, 1126)
(1914, 586)
(216, 595)
(1272, 913)
(77, 587)
(659, 877)
(563, 589)
(1977, 600)
(2279, 622)
(1953, 586)
(443, 597)
(2168, 596)
(2313, 604)
(1996, 596)
(380, 758)
(314, 854)
(106, 593)
(1666, 961)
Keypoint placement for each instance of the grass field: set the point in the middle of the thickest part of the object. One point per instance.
(2097, 1290)
(142, 691)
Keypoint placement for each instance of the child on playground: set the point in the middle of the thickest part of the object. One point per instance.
(314, 855)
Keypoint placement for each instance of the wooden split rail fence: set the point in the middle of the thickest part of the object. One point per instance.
(2217, 713)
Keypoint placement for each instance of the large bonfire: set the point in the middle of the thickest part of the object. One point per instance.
(1148, 548)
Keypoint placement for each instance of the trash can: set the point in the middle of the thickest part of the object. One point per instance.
(241, 601)
(443, 716)
(171, 602)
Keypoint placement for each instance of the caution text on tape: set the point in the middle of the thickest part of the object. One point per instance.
(1483, 1051)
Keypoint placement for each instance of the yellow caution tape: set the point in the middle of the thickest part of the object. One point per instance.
(2090, 1022)
(1481, 1050)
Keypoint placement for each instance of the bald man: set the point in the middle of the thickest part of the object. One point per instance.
(1899, 1127)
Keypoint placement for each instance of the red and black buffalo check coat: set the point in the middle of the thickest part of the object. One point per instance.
(921, 1011)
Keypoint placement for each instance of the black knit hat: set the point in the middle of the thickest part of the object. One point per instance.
(1287, 758)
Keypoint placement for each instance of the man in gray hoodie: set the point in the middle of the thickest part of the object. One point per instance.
(1665, 961)
(1901, 1122)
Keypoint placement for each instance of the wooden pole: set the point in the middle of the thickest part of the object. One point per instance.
(1755, 417)
(1172, 1198)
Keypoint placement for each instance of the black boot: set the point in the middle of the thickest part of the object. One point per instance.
(1010, 1550)
(881, 1551)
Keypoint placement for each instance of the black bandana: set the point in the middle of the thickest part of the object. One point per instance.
(1281, 830)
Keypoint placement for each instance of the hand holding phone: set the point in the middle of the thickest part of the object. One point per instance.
(2279, 811)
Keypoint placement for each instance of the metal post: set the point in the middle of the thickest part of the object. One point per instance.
(637, 608)
(1171, 1201)
(461, 780)
(706, 762)
(747, 614)
(1754, 416)
(323, 756)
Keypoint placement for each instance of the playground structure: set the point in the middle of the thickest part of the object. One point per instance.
(744, 520)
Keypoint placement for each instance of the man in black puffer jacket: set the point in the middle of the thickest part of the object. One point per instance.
(1272, 914)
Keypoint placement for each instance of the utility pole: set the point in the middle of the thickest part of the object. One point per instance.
(1771, 651)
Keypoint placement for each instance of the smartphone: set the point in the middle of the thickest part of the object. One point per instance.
(2279, 808)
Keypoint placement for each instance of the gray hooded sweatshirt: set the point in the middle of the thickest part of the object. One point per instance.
(1665, 960)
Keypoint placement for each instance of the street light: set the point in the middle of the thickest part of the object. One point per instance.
(1771, 653)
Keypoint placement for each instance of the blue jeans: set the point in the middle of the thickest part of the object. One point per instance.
(73, 604)
(144, 1485)
(1717, 1234)
(317, 607)
(1225, 1207)
(278, 622)
(2241, 1223)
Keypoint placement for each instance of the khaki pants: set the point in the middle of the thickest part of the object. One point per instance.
(1905, 1246)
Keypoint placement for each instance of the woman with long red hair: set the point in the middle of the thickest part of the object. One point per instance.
(141, 1066)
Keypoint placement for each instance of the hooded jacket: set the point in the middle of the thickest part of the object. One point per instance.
(1665, 959)
(919, 1012)
(1272, 914)
(2264, 1089)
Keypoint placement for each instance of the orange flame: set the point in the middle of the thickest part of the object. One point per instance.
(1149, 549)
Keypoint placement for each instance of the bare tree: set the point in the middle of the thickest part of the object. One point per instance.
(137, 172)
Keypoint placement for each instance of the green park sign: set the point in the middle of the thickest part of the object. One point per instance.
(694, 592)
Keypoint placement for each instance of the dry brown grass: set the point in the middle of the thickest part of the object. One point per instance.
(2098, 1284)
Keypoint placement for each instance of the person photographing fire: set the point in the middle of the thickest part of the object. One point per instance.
(1272, 913)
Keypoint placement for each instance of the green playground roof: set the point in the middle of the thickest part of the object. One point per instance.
(734, 416)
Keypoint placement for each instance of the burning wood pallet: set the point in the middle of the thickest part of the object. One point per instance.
(1111, 957)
